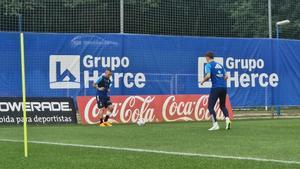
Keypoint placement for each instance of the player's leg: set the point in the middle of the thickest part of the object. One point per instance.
(222, 97)
(100, 106)
(213, 97)
(110, 108)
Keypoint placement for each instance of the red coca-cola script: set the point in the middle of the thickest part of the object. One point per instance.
(153, 108)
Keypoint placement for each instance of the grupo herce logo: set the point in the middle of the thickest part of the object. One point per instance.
(64, 71)
(201, 70)
(250, 72)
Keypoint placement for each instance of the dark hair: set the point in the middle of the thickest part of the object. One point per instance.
(108, 69)
(209, 54)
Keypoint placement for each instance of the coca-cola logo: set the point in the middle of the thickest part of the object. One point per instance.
(135, 107)
(159, 108)
(174, 110)
(125, 111)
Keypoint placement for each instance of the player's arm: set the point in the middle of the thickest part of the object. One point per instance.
(207, 73)
(226, 77)
(206, 78)
(225, 73)
(95, 84)
(110, 84)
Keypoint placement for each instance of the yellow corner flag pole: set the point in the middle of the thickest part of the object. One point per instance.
(23, 87)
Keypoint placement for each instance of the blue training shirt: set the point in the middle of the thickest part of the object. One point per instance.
(217, 74)
(105, 82)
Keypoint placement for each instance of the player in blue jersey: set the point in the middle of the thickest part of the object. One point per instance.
(102, 85)
(216, 72)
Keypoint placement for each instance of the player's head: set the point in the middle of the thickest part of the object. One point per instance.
(108, 72)
(209, 56)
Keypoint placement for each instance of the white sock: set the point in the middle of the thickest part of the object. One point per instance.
(212, 119)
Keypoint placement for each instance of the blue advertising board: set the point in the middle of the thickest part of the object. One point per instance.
(261, 71)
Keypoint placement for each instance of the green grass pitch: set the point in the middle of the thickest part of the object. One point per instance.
(263, 139)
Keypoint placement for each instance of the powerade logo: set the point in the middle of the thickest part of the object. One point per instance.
(35, 106)
(65, 71)
(237, 79)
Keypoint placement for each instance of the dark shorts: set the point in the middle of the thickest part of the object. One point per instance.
(103, 102)
(215, 94)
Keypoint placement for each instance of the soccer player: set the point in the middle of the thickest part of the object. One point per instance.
(102, 85)
(216, 72)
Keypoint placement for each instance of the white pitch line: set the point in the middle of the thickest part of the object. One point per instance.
(157, 151)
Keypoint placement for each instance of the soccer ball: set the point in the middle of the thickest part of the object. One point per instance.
(141, 122)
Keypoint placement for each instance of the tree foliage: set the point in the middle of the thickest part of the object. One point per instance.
(222, 18)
